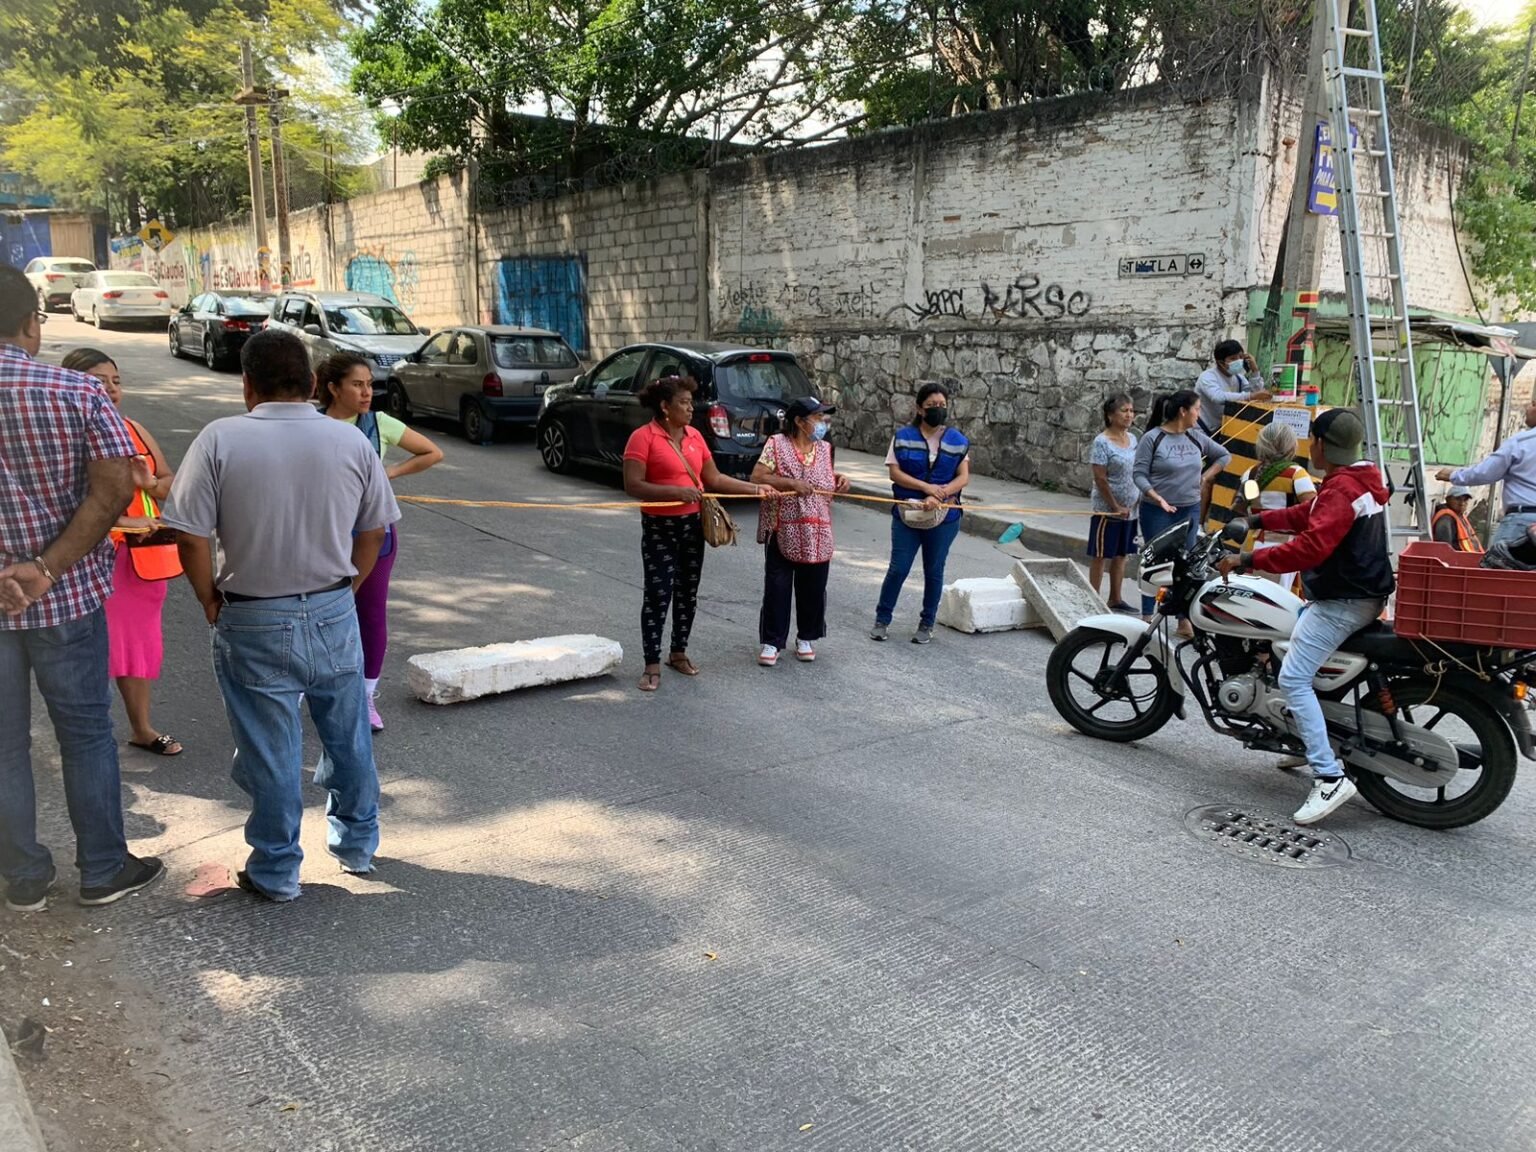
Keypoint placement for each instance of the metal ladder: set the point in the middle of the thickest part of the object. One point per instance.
(1368, 225)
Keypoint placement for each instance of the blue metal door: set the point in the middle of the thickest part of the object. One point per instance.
(545, 292)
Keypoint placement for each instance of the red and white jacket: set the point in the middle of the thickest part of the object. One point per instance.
(1340, 543)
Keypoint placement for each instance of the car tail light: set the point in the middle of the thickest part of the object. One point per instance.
(491, 385)
(719, 420)
(162, 296)
(110, 295)
(759, 358)
(52, 276)
(238, 325)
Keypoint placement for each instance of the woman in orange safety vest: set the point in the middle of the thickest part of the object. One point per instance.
(140, 575)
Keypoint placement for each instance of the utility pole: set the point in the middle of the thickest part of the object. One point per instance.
(249, 99)
(1290, 314)
(280, 187)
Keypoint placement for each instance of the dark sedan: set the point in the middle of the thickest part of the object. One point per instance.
(216, 325)
(739, 403)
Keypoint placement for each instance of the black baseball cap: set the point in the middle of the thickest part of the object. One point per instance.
(1341, 431)
(805, 406)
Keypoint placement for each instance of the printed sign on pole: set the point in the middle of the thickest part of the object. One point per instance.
(156, 235)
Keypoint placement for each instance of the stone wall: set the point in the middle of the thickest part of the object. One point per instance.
(636, 251)
(1008, 254)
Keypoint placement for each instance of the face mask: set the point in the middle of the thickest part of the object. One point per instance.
(935, 417)
(819, 431)
(1235, 367)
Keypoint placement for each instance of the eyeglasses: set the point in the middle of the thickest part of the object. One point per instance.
(42, 317)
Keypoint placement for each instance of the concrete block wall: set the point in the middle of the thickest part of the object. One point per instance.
(989, 253)
(642, 247)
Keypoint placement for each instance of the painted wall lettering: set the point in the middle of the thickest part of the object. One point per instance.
(943, 302)
(1026, 298)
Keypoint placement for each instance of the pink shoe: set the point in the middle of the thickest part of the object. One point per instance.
(374, 720)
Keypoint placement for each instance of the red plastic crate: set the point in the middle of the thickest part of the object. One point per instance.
(1442, 594)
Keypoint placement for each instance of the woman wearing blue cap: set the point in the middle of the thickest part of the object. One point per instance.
(796, 531)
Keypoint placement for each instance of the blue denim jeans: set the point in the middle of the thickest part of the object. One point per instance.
(266, 654)
(1512, 529)
(1324, 625)
(70, 664)
(1155, 520)
(906, 543)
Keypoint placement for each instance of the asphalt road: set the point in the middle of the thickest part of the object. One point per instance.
(884, 901)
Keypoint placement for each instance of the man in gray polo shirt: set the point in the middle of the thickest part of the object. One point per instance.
(300, 504)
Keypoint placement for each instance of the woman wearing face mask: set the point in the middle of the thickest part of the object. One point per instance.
(1175, 462)
(796, 531)
(141, 575)
(928, 464)
(344, 391)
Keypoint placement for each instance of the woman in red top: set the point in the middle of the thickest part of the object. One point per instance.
(140, 575)
(672, 538)
(797, 531)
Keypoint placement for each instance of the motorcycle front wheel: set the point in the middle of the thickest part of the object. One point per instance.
(1080, 677)
(1481, 736)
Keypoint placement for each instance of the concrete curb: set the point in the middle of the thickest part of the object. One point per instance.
(18, 1127)
(977, 521)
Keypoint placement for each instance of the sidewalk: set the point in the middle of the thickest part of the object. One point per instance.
(1060, 528)
(18, 1128)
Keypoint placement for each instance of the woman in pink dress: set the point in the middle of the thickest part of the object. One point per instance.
(140, 577)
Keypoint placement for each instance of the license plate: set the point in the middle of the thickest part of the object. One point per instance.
(538, 389)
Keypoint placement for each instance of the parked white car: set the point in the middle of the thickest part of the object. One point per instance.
(54, 278)
(120, 298)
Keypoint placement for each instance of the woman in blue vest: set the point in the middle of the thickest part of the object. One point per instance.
(928, 466)
(344, 391)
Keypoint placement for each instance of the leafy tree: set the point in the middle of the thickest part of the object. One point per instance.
(129, 103)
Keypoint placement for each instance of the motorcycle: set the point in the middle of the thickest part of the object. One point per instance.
(1427, 730)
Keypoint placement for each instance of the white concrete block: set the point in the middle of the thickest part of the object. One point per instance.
(1058, 590)
(986, 605)
(469, 673)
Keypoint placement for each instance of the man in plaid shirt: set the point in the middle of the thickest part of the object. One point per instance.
(67, 471)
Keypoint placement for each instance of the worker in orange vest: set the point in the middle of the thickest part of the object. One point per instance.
(1450, 525)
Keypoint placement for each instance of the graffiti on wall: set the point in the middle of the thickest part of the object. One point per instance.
(757, 305)
(1027, 298)
(397, 279)
(545, 292)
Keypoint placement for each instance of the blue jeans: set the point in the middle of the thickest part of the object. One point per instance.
(70, 664)
(1323, 626)
(266, 653)
(934, 543)
(1511, 529)
(1155, 520)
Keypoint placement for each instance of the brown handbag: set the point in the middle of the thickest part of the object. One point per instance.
(719, 528)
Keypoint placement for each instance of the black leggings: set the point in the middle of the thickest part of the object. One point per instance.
(672, 554)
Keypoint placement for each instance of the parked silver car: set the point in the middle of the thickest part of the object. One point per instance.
(481, 376)
(357, 322)
(55, 277)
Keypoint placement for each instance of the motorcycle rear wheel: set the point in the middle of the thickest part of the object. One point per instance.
(1076, 676)
(1487, 753)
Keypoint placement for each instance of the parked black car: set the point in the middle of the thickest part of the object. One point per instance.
(739, 403)
(216, 325)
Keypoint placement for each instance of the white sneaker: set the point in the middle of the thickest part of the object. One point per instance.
(769, 656)
(1326, 795)
(804, 652)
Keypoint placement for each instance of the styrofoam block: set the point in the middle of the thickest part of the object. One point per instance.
(984, 604)
(1058, 590)
(469, 673)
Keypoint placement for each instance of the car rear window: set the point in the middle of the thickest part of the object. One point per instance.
(532, 352)
(129, 280)
(248, 305)
(71, 266)
(775, 381)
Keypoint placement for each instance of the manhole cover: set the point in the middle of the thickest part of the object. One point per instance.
(1271, 839)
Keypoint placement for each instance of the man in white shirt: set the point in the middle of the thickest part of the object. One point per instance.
(1513, 462)
(1233, 377)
